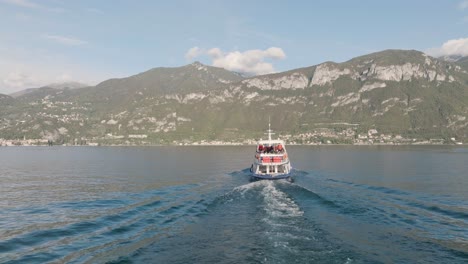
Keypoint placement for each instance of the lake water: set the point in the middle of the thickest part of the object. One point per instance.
(197, 205)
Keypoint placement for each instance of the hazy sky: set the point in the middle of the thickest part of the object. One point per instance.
(89, 41)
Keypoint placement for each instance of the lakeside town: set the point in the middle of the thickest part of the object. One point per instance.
(323, 136)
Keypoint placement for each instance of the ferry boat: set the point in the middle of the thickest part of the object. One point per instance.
(271, 160)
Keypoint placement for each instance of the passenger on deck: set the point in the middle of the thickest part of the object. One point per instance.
(260, 148)
(271, 149)
(280, 148)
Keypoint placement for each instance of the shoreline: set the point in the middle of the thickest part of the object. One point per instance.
(239, 145)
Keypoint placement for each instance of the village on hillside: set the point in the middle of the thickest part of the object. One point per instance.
(322, 136)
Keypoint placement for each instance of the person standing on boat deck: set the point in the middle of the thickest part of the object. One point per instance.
(260, 148)
(277, 148)
(280, 148)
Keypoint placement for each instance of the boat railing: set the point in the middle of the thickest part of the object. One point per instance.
(272, 158)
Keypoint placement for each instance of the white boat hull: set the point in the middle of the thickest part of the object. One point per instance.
(271, 171)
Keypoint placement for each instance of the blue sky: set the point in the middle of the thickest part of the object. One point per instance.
(89, 41)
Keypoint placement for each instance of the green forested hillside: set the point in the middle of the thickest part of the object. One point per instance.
(396, 92)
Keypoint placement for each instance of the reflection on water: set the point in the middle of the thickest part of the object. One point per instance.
(196, 204)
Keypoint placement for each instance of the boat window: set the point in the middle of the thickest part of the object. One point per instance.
(281, 169)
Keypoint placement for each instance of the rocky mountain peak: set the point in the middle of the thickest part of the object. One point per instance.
(197, 63)
(199, 66)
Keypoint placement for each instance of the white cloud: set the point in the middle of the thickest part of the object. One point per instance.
(250, 61)
(22, 3)
(451, 47)
(71, 41)
(192, 53)
(16, 76)
(18, 79)
(29, 68)
(463, 5)
(31, 4)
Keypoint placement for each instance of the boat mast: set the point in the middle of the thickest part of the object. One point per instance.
(269, 129)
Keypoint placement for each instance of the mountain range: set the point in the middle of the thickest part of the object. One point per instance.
(395, 92)
(52, 86)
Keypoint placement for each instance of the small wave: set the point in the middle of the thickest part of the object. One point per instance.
(236, 193)
(443, 210)
(298, 173)
(240, 173)
(288, 235)
(250, 186)
(309, 194)
(101, 230)
(389, 198)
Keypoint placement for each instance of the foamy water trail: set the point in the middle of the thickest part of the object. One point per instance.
(278, 204)
(249, 186)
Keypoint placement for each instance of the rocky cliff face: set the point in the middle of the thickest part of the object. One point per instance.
(292, 81)
(374, 67)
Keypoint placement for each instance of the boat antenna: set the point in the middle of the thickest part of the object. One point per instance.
(269, 128)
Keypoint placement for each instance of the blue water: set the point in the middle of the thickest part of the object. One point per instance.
(197, 205)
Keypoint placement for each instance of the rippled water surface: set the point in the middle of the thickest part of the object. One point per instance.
(197, 205)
